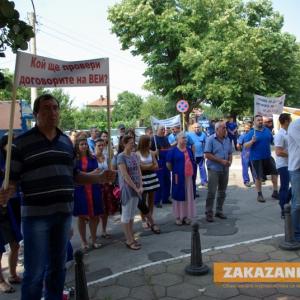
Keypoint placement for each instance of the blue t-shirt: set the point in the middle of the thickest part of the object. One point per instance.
(241, 141)
(91, 144)
(219, 148)
(261, 149)
(198, 141)
(231, 126)
(172, 138)
(210, 129)
(162, 143)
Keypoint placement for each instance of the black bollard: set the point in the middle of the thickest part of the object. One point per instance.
(81, 290)
(196, 267)
(289, 242)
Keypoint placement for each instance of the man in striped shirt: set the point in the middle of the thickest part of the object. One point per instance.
(43, 164)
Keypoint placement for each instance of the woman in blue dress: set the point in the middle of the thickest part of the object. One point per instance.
(10, 219)
(87, 198)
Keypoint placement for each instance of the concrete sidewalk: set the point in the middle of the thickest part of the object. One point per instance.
(167, 280)
(247, 220)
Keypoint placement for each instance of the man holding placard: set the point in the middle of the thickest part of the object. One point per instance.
(43, 164)
(259, 140)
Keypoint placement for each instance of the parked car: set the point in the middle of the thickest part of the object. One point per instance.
(138, 132)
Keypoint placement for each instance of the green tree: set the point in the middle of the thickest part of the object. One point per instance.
(86, 118)
(127, 108)
(153, 106)
(14, 33)
(220, 52)
(67, 120)
(6, 93)
(212, 113)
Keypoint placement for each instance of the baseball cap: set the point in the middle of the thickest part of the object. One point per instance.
(121, 126)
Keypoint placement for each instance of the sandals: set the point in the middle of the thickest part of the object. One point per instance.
(14, 279)
(106, 236)
(137, 243)
(85, 248)
(178, 222)
(6, 288)
(133, 246)
(155, 229)
(96, 245)
(146, 225)
(187, 221)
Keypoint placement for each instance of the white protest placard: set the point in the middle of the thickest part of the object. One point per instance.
(171, 122)
(268, 106)
(39, 71)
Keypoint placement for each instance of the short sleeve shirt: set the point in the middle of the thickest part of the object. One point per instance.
(231, 126)
(132, 164)
(241, 141)
(172, 138)
(261, 149)
(199, 142)
(281, 140)
(220, 148)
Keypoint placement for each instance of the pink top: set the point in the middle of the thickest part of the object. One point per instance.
(188, 167)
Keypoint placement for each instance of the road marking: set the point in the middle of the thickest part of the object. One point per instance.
(183, 256)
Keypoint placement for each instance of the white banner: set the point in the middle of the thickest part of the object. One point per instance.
(268, 106)
(171, 122)
(39, 71)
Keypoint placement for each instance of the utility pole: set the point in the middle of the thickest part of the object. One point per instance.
(32, 22)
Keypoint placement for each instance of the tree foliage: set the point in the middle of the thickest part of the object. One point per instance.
(6, 93)
(67, 118)
(14, 32)
(127, 107)
(86, 118)
(153, 106)
(220, 52)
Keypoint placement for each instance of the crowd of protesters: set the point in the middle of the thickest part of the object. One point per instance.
(160, 168)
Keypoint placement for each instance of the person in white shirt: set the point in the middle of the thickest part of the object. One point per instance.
(281, 159)
(294, 170)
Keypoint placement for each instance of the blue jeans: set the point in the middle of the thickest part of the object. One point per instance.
(284, 186)
(295, 203)
(45, 248)
(200, 161)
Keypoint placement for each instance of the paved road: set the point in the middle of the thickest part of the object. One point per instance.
(247, 220)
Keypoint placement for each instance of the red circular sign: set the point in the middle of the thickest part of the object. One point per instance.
(182, 106)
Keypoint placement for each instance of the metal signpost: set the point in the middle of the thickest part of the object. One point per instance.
(182, 106)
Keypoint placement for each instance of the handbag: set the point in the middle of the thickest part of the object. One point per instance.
(117, 192)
